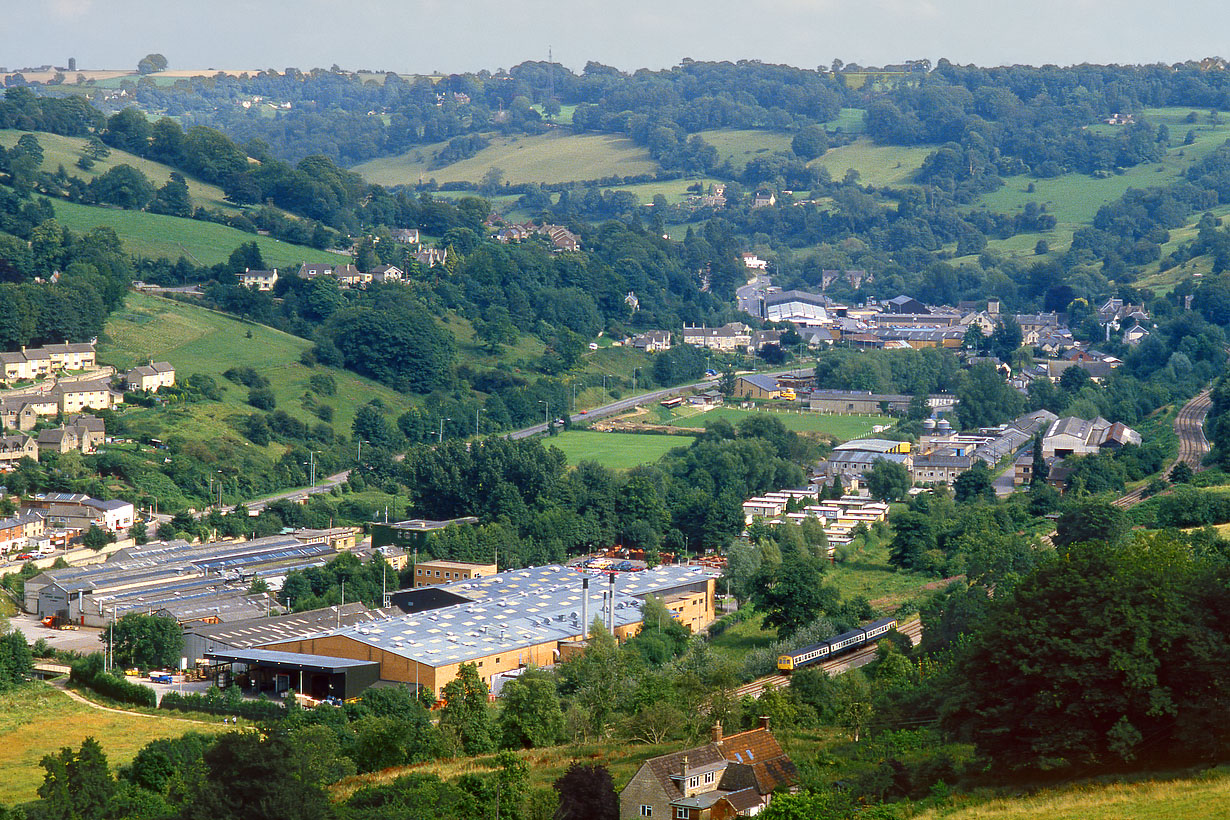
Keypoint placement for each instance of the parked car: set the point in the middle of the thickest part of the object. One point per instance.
(161, 677)
(26, 556)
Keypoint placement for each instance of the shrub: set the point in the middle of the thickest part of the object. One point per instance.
(215, 702)
(89, 673)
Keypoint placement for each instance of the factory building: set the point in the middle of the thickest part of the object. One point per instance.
(187, 582)
(202, 639)
(510, 621)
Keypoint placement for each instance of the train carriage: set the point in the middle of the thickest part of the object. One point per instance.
(844, 642)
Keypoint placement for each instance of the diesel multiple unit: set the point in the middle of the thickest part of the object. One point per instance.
(842, 643)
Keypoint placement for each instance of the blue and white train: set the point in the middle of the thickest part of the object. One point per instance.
(835, 646)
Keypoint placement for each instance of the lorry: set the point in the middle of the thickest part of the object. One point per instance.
(58, 621)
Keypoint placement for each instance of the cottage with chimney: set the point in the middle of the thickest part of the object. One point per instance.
(731, 776)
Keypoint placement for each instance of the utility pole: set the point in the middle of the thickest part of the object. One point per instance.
(440, 439)
(477, 410)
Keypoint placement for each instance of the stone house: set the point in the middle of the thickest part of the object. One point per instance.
(731, 776)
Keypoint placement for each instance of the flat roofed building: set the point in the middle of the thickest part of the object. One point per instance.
(316, 676)
(412, 534)
(511, 620)
(201, 638)
(433, 573)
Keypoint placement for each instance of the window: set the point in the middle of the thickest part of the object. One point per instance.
(693, 782)
(681, 813)
(708, 777)
(646, 811)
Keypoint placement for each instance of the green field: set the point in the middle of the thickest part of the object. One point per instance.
(842, 428)
(618, 451)
(204, 243)
(1074, 199)
(878, 165)
(197, 340)
(738, 146)
(58, 150)
(557, 156)
(37, 720)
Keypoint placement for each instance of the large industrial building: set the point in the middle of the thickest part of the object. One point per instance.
(511, 620)
(191, 583)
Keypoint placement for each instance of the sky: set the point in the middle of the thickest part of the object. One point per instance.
(456, 36)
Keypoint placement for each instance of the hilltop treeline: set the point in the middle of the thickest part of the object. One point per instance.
(1008, 120)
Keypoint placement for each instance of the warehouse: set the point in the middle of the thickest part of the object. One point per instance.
(164, 576)
(314, 675)
(513, 620)
(202, 639)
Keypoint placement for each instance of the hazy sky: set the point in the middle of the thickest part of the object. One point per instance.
(465, 35)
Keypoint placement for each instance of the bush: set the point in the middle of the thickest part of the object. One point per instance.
(216, 703)
(246, 376)
(262, 398)
(89, 673)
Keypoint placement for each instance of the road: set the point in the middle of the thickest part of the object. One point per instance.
(1193, 445)
(853, 660)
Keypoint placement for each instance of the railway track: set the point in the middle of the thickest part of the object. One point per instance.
(835, 666)
(1193, 446)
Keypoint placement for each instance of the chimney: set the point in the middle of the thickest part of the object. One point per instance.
(716, 732)
(764, 722)
(584, 606)
(685, 771)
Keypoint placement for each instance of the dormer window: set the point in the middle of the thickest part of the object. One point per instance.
(693, 782)
(708, 778)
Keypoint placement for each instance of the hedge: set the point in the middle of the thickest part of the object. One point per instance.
(250, 709)
(89, 673)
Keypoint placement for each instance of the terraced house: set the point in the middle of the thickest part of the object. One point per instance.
(36, 362)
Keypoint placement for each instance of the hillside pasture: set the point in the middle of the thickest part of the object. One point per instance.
(739, 146)
(878, 165)
(65, 151)
(202, 243)
(197, 340)
(557, 156)
(1074, 199)
(38, 720)
(1200, 797)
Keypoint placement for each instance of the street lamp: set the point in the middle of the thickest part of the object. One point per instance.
(477, 410)
(546, 412)
(440, 440)
(605, 376)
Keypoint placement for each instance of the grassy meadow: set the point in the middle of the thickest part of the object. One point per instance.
(203, 243)
(37, 720)
(878, 165)
(197, 340)
(58, 150)
(1200, 797)
(738, 146)
(618, 451)
(1074, 199)
(553, 157)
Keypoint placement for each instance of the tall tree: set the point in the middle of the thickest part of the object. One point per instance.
(466, 711)
(586, 792)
